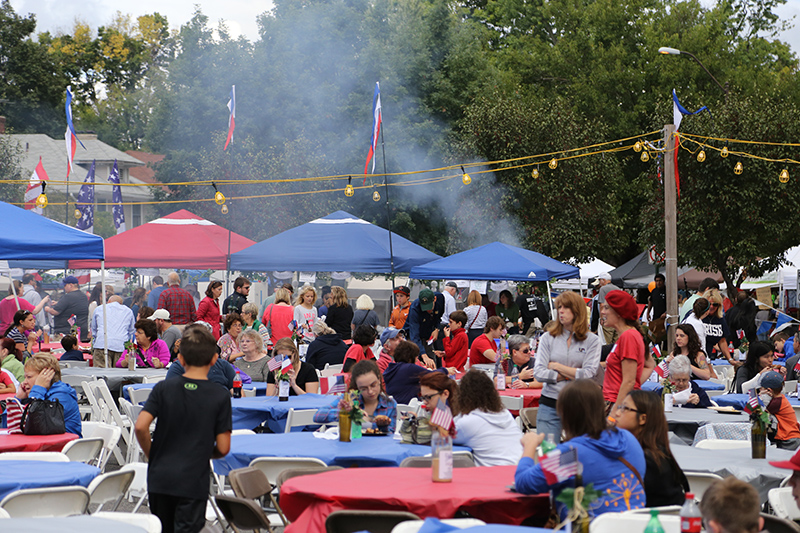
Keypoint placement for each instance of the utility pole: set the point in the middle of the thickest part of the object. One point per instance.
(670, 231)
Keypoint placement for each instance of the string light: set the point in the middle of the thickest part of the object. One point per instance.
(637, 147)
(701, 156)
(553, 163)
(645, 156)
(535, 173)
(77, 214)
(376, 196)
(738, 168)
(218, 196)
(784, 176)
(349, 191)
(724, 152)
(224, 209)
(465, 179)
(41, 200)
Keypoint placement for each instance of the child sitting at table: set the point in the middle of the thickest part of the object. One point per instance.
(771, 394)
(71, 354)
(456, 342)
(194, 426)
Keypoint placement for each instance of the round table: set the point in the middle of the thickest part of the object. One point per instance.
(685, 421)
(34, 443)
(738, 401)
(702, 383)
(248, 413)
(480, 491)
(71, 524)
(115, 377)
(16, 475)
(363, 452)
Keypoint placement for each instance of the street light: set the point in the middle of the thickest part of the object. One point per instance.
(666, 50)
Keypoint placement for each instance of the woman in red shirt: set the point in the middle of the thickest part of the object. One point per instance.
(208, 310)
(484, 350)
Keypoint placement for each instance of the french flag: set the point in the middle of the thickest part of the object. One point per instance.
(376, 129)
(70, 136)
(232, 119)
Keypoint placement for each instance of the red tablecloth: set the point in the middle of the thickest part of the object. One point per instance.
(56, 350)
(530, 397)
(480, 491)
(35, 443)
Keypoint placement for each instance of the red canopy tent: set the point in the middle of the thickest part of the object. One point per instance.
(179, 240)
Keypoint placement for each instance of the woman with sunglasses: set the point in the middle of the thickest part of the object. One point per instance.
(716, 327)
(520, 349)
(365, 377)
(567, 351)
(642, 413)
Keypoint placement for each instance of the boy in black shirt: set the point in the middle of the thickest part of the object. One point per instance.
(194, 426)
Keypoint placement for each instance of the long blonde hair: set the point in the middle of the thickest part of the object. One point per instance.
(339, 297)
(580, 323)
(714, 296)
(302, 292)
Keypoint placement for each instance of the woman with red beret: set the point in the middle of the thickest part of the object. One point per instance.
(627, 358)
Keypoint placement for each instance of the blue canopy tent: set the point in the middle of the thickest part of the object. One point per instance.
(496, 261)
(337, 242)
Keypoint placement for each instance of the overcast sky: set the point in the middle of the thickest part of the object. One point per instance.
(239, 15)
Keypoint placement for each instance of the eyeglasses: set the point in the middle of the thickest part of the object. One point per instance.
(626, 408)
(526, 350)
(373, 385)
(428, 397)
(714, 305)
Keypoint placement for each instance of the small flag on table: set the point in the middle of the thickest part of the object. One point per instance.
(662, 369)
(442, 416)
(740, 334)
(274, 364)
(558, 466)
(656, 351)
(752, 402)
(336, 384)
(286, 364)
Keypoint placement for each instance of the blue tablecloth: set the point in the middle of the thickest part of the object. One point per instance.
(366, 451)
(16, 475)
(260, 387)
(703, 384)
(720, 362)
(434, 525)
(739, 400)
(249, 413)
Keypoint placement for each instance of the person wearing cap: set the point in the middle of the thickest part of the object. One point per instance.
(178, 302)
(777, 404)
(423, 317)
(400, 311)
(449, 292)
(390, 338)
(73, 302)
(626, 361)
(120, 323)
(166, 331)
(731, 505)
(604, 286)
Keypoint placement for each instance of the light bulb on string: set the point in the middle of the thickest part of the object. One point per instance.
(465, 179)
(349, 191)
(738, 168)
(535, 173)
(724, 152)
(218, 196)
(553, 163)
(784, 176)
(645, 156)
(376, 196)
(77, 214)
(701, 156)
(638, 146)
(224, 209)
(41, 200)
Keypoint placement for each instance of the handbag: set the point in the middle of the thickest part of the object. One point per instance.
(43, 417)
(415, 430)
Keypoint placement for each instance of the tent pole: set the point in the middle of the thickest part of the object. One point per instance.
(550, 299)
(388, 215)
(13, 288)
(105, 321)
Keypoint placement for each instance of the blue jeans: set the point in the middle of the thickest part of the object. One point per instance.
(548, 422)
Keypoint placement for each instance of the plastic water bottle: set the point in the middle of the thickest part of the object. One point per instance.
(654, 525)
(514, 375)
(237, 386)
(442, 453)
(691, 518)
(499, 374)
(547, 445)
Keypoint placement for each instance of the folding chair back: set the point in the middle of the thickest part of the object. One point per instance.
(85, 450)
(110, 487)
(528, 416)
(512, 403)
(154, 379)
(308, 471)
(50, 457)
(783, 504)
(249, 482)
(699, 482)
(98, 413)
(299, 418)
(132, 412)
(110, 435)
(774, 524)
(138, 486)
(139, 396)
(350, 521)
(273, 466)
(330, 370)
(242, 513)
(47, 502)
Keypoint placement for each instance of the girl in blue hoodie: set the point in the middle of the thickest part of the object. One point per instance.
(43, 381)
(613, 461)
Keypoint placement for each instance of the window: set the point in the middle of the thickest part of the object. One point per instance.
(136, 216)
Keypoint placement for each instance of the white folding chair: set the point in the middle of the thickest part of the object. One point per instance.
(412, 526)
(97, 412)
(112, 414)
(699, 482)
(139, 396)
(722, 444)
(147, 522)
(403, 409)
(297, 418)
(3, 513)
(46, 502)
(154, 379)
(110, 435)
(110, 487)
(790, 386)
(330, 370)
(616, 522)
(49, 457)
(248, 393)
(132, 412)
(242, 432)
(138, 486)
(783, 503)
(85, 450)
(273, 466)
(513, 403)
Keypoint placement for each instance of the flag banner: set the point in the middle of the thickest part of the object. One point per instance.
(70, 136)
(35, 187)
(558, 467)
(442, 416)
(336, 385)
(286, 364)
(232, 117)
(656, 351)
(85, 203)
(116, 197)
(678, 111)
(274, 364)
(740, 334)
(376, 129)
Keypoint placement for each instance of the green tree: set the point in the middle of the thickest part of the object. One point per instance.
(10, 169)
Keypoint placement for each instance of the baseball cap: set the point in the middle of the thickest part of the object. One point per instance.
(402, 288)
(772, 380)
(426, 299)
(163, 314)
(604, 275)
(70, 279)
(389, 334)
(791, 464)
(451, 284)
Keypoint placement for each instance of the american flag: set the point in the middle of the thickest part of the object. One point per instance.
(86, 197)
(558, 466)
(338, 385)
(442, 416)
(116, 198)
(752, 402)
(274, 364)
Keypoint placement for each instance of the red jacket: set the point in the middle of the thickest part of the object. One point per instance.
(455, 349)
(208, 311)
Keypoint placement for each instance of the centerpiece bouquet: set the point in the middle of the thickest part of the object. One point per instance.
(349, 413)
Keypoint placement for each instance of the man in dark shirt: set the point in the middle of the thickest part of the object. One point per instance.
(423, 317)
(234, 302)
(658, 298)
(531, 307)
(73, 302)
